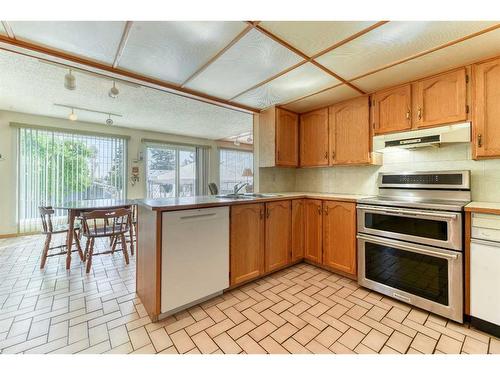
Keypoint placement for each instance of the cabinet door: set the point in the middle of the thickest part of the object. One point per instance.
(349, 123)
(392, 110)
(314, 138)
(486, 109)
(287, 138)
(339, 236)
(441, 99)
(278, 234)
(297, 229)
(313, 233)
(247, 242)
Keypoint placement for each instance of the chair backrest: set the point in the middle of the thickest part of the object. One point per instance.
(46, 213)
(214, 190)
(106, 222)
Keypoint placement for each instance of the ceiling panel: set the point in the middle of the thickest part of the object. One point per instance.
(322, 99)
(95, 40)
(30, 86)
(471, 50)
(301, 81)
(312, 37)
(395, 41)
(250, 61)
(173, 51)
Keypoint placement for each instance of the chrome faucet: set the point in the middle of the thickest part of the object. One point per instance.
(239, 186)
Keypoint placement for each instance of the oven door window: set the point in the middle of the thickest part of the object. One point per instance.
(433, 229)
(422, 275)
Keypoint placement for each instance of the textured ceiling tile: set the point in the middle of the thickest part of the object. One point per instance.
(172, 51)
(394, 41)
(30, 86)
(301, 81)
(312, 37)
(466, 52)
(250, 61)
(322, 99)
(97, 40)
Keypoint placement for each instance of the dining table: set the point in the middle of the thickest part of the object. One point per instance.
(76, 208)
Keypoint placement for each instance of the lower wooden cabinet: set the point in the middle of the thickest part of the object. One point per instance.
(246, 242)
(339, 236)
(313, 236)
(298, 227)
(278, 234)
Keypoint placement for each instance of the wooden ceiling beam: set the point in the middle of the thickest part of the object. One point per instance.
(123, 42)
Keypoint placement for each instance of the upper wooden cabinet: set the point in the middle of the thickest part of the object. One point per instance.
(350, 136)
(313, 236)
(314, 138)
(278, 138)
(391, 110)
(440, 99)
(247, 242)
(298, 226)
(486, 109)
(278, 234)
(339, 236)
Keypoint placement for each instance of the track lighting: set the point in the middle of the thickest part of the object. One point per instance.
(72, 116)
(113, 91)
(109, 120)
(236, 142)
(70, 81)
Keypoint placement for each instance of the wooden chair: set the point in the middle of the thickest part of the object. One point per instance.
(131, 239)
(49, 230)
(106, 223)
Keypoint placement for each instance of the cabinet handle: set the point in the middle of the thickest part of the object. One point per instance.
(261, 214)
(326, 210)
(326, 155)
(268, 213)
(408, 114)
(479, 140)
(420, 113)
(319, 210)
(333, 155)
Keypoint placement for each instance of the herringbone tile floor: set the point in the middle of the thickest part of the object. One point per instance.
(302, 309)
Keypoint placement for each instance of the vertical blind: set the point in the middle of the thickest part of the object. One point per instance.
(57, 167)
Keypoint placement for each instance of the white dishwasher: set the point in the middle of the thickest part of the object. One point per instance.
(485, 272)
(195, 257)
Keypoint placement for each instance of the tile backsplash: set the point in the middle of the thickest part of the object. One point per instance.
(363, 179)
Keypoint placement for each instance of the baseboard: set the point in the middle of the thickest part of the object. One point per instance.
(483, 325)
(11, 235)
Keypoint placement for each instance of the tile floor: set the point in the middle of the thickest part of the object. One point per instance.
(302, 309)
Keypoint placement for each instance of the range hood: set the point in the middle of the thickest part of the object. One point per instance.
(457, 133)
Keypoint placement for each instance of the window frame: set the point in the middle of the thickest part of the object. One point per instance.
(220, 149)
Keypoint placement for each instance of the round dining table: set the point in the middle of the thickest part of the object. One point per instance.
(75, 208)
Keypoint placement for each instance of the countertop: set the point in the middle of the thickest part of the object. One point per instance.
(173, 204)
(484, 207)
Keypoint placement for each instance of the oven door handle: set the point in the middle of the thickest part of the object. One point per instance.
(407, 247)
(407, 212)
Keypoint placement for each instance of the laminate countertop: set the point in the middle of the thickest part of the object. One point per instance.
(484, 207)
(204, 201)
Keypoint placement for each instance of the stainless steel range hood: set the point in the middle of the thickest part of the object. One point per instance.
(457, 133)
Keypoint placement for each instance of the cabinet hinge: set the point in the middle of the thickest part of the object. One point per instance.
(466, 78)
(466, 108)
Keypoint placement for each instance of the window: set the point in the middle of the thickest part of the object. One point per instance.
(235, 167)
(175, 171)
(57, 167)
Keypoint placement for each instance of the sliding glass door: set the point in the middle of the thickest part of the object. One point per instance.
(57, 167)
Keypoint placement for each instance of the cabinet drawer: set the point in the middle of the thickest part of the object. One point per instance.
(486, 226)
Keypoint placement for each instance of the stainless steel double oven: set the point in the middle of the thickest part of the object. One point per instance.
(410, 239)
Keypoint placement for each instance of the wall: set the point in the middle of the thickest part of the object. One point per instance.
(8, 147)
(485, 174)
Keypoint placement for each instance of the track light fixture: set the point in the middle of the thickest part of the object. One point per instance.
(72, 116)
(113, 91)
(236, 142)
(109, 120)
(70, 81)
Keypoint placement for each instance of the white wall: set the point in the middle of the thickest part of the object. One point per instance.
(8, 147)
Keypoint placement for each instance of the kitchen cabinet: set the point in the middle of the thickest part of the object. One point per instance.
(278, 138)
(298, 226)
(314, 138)
(339, 236)
(391, 110)
(278, 234)
(246, 242)
(486, 109)
(313, 236)
(440, 99)
(350, 136)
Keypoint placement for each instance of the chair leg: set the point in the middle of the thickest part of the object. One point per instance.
(90, 244)
(131, 234)
(124, 248)
(45, 250)
(87, 246)
(114, 241)
(78, 245)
